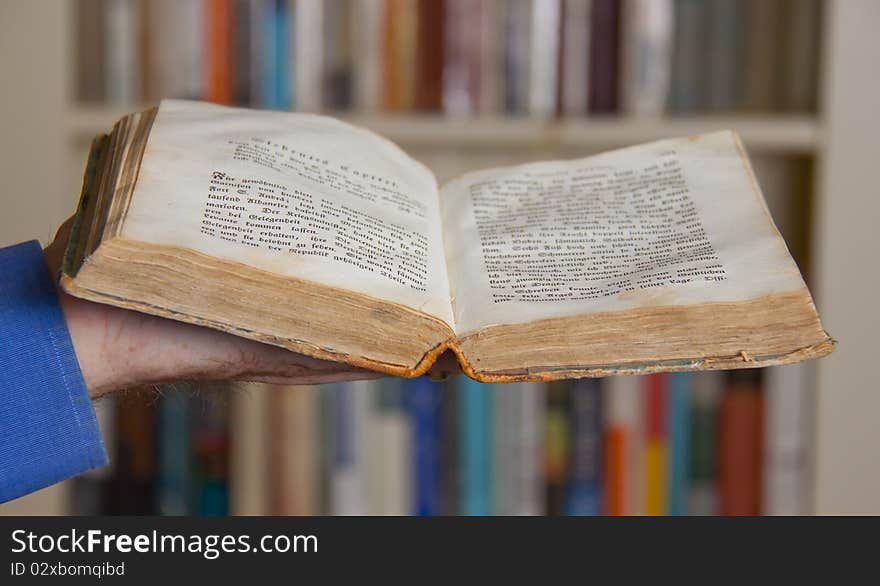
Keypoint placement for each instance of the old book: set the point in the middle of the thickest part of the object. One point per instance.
(312, 234)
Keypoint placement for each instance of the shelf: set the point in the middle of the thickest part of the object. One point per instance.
(794, 134)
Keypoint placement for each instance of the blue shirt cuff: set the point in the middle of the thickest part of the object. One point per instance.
(48, 429)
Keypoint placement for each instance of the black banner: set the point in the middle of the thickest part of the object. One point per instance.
(119, 549)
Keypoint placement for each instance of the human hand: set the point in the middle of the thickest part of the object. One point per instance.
(119, 348)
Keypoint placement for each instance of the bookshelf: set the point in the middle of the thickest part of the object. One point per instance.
(46, 135)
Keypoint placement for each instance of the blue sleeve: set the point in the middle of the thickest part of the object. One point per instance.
(48, 430)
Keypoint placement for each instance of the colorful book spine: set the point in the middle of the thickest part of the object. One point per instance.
(210, 440)
(475, 458)
(622, 446)
(678, 427)
(424, 405)
(740, 444)
(219, 58)
(656, 446)
(275, 37)
(583, 494)
(504, 458)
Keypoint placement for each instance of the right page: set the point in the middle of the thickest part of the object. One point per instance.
(675, 222)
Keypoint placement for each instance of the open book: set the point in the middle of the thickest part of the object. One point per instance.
(309, 233)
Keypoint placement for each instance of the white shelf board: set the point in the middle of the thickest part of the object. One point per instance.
(797, 134)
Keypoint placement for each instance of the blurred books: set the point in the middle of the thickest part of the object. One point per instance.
(539, 58)
(680, 444)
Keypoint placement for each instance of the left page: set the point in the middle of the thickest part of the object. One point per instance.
(297, 195)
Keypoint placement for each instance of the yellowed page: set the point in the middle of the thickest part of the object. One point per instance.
(669, 223)
(299, 195)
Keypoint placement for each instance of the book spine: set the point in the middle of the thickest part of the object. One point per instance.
(491, 93)
(120, 49)
(557, 444)
(275, 52)
(686, 94)
(624, 445)
(801, 54)
(543, 58)
(583, 489)
(430, 59)
(575, 57)
(461, 52)
(173, 453)
(604, 44)
(646, 60)
(787, 439)
(449, 449)
(90, 36)
(191, 30)
(656, 446)
(327, 435)
(309, 23)
(131, 491)
(210, 437)
(723, 55)
(505, 415)
(762, 84)
(218, 51)
(529, 444)
(516, 47)
(424, 405)
(336, 75)
(705, 396)
(368, 40)
(349, 486)
(391, 459)
(739, 445)
(475, 420)
(678, 426)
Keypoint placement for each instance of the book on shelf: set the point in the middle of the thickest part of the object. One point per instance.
(323, 238)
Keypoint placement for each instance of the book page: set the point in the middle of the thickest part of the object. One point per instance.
(669, 223)
(299, 195)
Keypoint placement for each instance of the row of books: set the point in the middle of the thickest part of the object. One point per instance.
(697, 443)
(460, 57)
